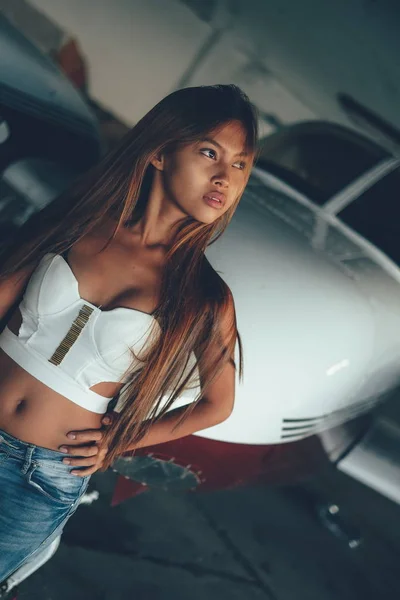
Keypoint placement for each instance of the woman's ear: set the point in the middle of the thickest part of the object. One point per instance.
(158, 161)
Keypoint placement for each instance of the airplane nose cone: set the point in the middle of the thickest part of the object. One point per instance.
(307, 329)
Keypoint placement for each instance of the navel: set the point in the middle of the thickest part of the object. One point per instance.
(21, 405)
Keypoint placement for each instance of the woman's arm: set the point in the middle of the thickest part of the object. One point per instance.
(210, 411)
(11, 291)
(206, 414)
(214, 408)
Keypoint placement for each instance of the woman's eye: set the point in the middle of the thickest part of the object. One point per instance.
(210, 151)
(212, 154)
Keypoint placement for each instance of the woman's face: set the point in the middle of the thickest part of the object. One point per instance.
(203, 179)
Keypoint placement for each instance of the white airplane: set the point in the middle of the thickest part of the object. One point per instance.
(315, 274)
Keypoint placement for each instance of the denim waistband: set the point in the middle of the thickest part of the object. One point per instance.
(19, 448)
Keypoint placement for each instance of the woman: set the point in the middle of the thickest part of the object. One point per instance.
(108, 291)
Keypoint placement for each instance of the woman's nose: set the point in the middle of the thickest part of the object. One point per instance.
(221, 178)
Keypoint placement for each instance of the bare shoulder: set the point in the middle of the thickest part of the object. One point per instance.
(226, 312)
(221, 289)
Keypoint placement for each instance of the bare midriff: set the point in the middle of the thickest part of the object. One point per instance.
(33, 412)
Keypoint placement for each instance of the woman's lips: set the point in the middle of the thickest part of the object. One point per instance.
(215, 199)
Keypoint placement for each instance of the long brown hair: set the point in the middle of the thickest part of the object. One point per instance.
(194, 299)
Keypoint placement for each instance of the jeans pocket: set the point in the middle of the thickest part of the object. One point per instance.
(56, 484)
(6, 450)
(6, 454)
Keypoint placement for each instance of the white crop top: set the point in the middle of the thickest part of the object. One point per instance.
(70, 344)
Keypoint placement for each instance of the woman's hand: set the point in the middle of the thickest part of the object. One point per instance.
(90, 453)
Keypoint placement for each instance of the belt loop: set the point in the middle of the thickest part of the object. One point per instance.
(28, 459)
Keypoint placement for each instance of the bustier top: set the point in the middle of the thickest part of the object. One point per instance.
(68, 343)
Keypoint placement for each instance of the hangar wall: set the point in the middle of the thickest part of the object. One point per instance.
(138, 51)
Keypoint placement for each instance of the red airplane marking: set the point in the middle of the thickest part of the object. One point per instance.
(222, 465)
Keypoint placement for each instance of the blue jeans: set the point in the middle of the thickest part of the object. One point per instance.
(37, 497)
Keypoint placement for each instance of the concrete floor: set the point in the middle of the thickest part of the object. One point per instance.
(250, 543)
